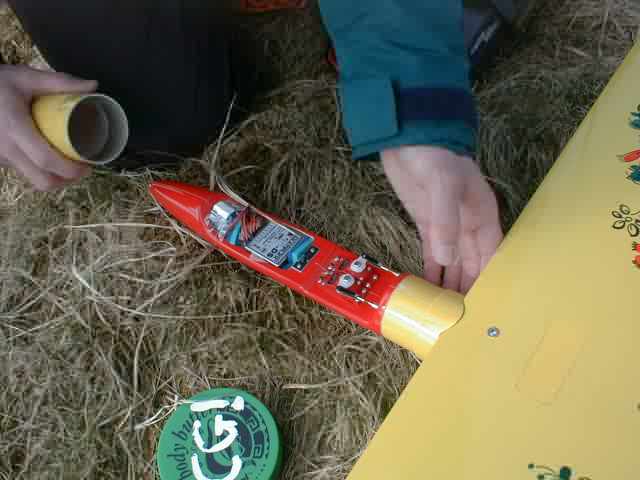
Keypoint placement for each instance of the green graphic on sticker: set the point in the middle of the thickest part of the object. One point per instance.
(222, 434)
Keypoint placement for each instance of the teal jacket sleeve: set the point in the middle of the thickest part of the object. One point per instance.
(404, 74)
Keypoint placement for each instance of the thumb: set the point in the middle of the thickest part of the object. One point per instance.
(37, 82)
(444, 228)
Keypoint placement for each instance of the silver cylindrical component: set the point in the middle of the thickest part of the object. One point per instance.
(224, 210)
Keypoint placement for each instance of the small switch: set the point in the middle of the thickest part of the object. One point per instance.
(359, 265)
(346, 281)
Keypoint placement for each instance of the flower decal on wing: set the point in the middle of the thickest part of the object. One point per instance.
(633, 172)
(627, 220)
(547, 473)
(635, 119)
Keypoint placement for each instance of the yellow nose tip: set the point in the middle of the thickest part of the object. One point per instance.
(418, 313)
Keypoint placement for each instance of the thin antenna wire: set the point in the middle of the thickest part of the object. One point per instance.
(219, 181)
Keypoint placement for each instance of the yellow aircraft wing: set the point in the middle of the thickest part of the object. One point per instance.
(541, 377)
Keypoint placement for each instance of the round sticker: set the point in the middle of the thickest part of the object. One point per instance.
(222, 434)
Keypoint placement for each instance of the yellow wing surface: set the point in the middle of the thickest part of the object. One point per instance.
(541, 377)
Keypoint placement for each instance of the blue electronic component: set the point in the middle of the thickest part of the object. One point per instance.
(300, 250)
(234, 235)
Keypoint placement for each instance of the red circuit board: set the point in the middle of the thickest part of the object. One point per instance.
(363, 302)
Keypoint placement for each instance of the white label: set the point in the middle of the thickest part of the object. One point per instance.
(221, 427)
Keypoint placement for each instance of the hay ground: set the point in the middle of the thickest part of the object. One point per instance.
(108, 315)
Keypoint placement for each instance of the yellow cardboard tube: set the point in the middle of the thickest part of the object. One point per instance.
(418, 313)
(90, 128)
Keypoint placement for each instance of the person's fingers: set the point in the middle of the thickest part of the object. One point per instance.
(466, 282)
(38, 82)
(444, 228)
(470, 254)
(485, 218)
(40, 152)
(489, 239)
(432, 269)
(40, 179)
(453, 277)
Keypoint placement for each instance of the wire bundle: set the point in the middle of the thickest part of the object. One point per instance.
(250, 223)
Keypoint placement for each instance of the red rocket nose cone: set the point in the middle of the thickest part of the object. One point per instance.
(186, 203)
(171, 195)
(158, 191)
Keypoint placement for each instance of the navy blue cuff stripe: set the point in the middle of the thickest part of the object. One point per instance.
(437, 104)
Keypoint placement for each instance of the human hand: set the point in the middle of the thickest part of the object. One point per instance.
(454, 208)
(22, 147)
